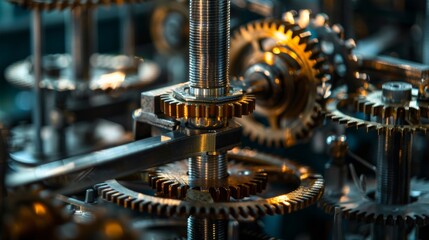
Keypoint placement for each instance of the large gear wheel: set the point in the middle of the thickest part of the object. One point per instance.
(172, 181)
(348, 110)
(300, 187)
(63, 4)
(287, 49)
(356, 206)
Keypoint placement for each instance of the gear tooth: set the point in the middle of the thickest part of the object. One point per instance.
(339, 30)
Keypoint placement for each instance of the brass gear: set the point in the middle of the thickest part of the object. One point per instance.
(300, 188)
(344, 109)
(356, 206)
(286, 47)
(173, 107)
(49, 5)
(172, 181)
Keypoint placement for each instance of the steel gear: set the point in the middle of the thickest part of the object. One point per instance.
(345, 110)
(333, 45)
(288, 49)
(301, 188)
(49, 5)
(372, 105)
(174, 107)
(172, 181)
(110, 73)
(356, 206)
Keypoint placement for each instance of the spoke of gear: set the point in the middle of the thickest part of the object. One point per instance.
(287, 47)
(356, 206)
(300, 188)
(344, 109)
(49, 5)
(172, 181)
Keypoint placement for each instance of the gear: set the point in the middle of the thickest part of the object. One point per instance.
(110, 73)
(344, 109)
(294, 60)
(333, 45)
(300, 187)
(172, 181)
(63, 4)
(357, 207)
(169, 27)
(373, 105)
(174, 107)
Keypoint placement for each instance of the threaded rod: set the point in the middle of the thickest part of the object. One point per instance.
(206, 170)
(204, 228)
(209, 42)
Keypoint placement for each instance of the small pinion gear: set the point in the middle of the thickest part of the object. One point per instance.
(288, 50)
(172, 181)
(300, 188)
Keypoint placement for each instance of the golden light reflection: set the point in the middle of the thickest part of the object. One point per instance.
(269, 58)
(113, 230)
(276, 50)
(39, 208)
(111, 80)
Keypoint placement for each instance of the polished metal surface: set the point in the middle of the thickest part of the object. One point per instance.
(85, 170)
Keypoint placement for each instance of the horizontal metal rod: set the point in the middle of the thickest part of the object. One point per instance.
(86, 170)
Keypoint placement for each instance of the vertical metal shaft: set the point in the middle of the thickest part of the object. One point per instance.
(394, 150)
(209, 41)
(82, 42)
(203, 228)
(394, 160)
(37, 38)
(128, 31)
(394, 168)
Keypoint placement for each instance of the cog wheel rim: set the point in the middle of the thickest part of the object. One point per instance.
(335, 111)
(356, 207)
(172, 181)
(49, 5)
(310, 189)
(284, 39)
(120, 78)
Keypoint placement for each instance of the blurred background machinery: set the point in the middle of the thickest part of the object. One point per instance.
(224, 119)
